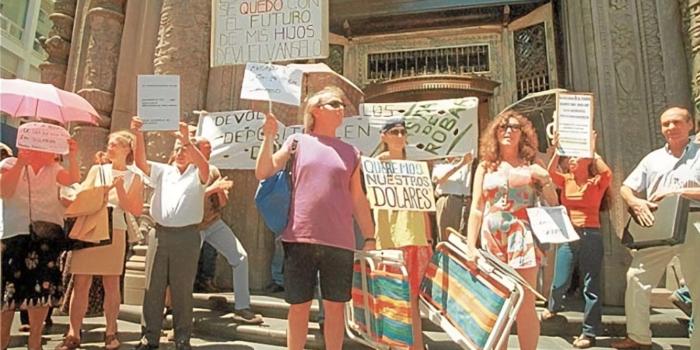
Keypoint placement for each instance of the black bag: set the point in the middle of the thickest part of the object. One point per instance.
(670, 225)
(76, 244)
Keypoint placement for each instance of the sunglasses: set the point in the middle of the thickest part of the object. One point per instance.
(397, 132)
(515, 127)
(334, 104)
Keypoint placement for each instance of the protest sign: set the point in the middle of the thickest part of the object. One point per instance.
(159, 101)
(436, 128)
(551, 224)
(43, 137)
(575, 124)
(398, 184)
(268, 31)
(270, 82)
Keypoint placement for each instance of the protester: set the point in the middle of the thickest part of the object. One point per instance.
(406, 230)
(125, 195)
(673, 168)
(177, 207)
(583, 188)
(506, 183)
(31, 278)
(453, 190)
(206, 270)
(217, 233)
(319, 236)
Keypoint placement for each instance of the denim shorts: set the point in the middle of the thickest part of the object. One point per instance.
(307, 263)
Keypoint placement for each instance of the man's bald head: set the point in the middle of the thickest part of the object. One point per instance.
(678, 111)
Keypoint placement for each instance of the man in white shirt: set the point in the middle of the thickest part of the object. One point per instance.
(453, 190)
(177, 207)
(673, 168)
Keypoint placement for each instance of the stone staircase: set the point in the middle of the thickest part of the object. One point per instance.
(214, 317)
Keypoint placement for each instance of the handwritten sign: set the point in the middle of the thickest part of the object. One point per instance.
(268, 30)
(270, 82)
(43, 137)
(159, 101)
(551, 224)
(575, 124)
(436, 128)
(398, 184)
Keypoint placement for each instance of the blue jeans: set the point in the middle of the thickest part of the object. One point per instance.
(588, 254)
(277, 263)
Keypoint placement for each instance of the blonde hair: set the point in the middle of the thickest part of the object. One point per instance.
(317, 99)
(125, 138)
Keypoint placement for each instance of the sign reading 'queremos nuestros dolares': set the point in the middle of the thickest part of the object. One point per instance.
(268, 31)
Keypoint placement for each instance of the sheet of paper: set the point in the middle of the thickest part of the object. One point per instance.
(551, 224)
(575, 124)
(158, 102)
(271, 82)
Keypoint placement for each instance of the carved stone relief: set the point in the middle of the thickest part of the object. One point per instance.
(57, 45)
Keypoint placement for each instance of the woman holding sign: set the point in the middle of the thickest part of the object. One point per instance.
(319, 239)
(31, 278)
(583, 185)
(406, 230)
(506, 183)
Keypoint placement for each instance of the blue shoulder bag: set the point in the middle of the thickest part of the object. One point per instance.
(273, 197)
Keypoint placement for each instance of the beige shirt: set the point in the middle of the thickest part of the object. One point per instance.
(212, 205)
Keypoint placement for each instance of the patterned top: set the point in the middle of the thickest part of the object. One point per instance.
(505, 229)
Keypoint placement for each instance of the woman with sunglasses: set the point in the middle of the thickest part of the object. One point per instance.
(408, 231)
(583, 185)
(506, 183)
(319, 240)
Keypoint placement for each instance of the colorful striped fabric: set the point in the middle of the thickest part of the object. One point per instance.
(387, 302)
(470, 301)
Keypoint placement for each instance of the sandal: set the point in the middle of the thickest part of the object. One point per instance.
(548, 315)
(69, 343)
(583, 341)
(112, 342)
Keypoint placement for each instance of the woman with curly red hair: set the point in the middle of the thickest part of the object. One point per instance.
(507, 182)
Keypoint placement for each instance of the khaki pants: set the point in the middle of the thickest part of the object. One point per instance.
(646, 269)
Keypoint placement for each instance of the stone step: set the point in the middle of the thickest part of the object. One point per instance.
(664, 322)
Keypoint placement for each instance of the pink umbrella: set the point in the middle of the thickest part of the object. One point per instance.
(22, 98)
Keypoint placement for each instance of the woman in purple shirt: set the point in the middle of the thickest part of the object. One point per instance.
(319, 239)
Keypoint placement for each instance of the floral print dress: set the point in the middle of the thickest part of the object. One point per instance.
(505, 229)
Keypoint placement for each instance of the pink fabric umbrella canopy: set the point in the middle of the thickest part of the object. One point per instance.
(22, 98)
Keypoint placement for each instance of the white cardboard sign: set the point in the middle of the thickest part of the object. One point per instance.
(268, 31)
(552, 224)
(271, 82)
(158, 102)
(398, 184)
(575, 124)
(43, 137)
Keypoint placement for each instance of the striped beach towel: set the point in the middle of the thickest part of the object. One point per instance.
(385, 299)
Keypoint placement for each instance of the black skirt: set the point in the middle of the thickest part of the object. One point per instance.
(31, 273)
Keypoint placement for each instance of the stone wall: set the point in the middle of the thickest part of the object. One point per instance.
(630, 55)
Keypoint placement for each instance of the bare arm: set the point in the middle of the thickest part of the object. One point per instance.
(267, 162)
(131, 201)
(466, 159)
(361, 209)
(140, 150)
(476, 211)
(548, 193)
(10, 177)
(692, 193)
(72, 175)
(641, 208)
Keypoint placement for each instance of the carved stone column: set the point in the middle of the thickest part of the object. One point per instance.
(57, 45)
(182, 49)
(92, 67)
(630, 54)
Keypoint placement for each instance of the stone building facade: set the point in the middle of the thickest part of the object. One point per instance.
(637, 57)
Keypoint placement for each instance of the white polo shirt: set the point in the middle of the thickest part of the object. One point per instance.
(178, 199)
(458, 183)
